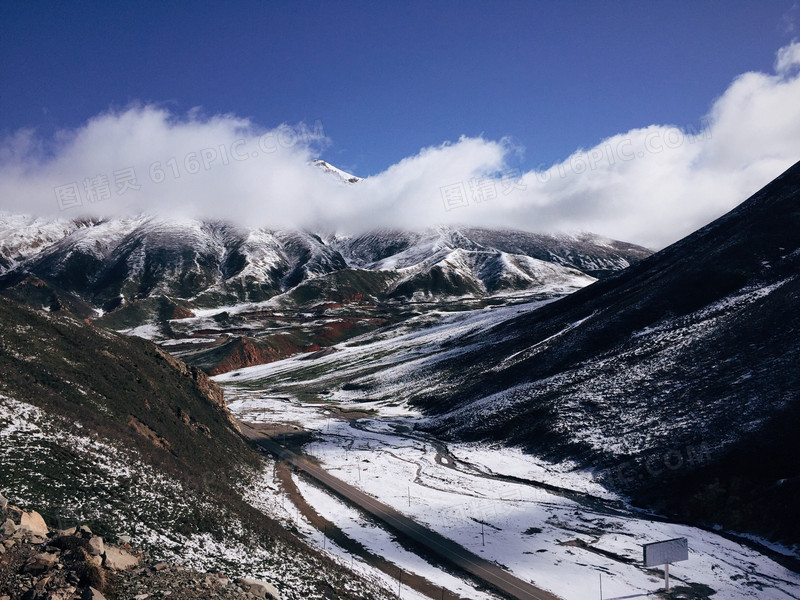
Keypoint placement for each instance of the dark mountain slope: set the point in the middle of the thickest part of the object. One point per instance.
(106, 381)
(109, 430)
(695, 347)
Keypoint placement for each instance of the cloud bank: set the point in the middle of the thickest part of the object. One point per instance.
(651, 185)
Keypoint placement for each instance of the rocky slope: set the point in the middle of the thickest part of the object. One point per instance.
(39, 563)
(109, 431)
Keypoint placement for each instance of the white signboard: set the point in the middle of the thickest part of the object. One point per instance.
(663, 553)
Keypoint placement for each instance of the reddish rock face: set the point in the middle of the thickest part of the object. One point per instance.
(246, 353)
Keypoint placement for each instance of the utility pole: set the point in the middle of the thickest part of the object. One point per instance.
(483, 538)
(409, 495)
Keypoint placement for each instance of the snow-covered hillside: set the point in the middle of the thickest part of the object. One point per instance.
(675, 381)
(552, 524)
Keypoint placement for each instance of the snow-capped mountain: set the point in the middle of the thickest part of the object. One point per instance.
(344, 176)
(112, 263)
(480, 261)
(152, 276)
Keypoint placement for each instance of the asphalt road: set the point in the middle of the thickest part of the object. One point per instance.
(478, 567)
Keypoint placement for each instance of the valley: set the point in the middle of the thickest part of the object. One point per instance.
(552, 524)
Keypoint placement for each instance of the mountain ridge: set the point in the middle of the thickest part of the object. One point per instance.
(146, 275)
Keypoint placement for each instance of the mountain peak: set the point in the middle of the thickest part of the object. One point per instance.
(344, 176)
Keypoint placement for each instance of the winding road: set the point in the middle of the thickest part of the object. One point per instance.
(480, 568)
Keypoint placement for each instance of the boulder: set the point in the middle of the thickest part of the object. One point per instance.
(40, 563)
(3, 502)
(33, 523)
(67, 593)
(97, 561)
(89, 593)
(8, 528)
(96, 546)
(68, 542)
(14, 513)
(260, 589)
(119, 560)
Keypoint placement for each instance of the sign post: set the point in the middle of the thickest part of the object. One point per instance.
(665, 553)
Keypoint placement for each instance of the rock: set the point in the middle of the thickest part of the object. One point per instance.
(120, 560)
(89, 593)
(124, 539)
(68, 542)
(34, 523)
(261, 589)
(160, 566)
(96, 561)
(84, 531)
(43, 583)
(40, 563)
(141, 597)
(14, 513)
(3, 502)
(96, 546)
(8, 528)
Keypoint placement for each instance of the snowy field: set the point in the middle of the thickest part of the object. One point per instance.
(490, 500)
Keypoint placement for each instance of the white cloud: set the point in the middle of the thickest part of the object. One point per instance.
(650, 185)
(788, 58)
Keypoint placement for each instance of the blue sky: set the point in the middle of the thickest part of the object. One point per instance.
(641, 121)
(386, 79)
